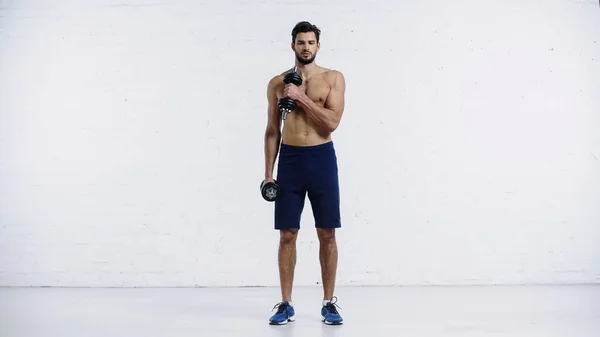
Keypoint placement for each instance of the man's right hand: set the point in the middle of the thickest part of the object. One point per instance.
(269, 189)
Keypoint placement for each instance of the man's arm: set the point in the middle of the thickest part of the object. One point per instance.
(273, 131)
(329, 116)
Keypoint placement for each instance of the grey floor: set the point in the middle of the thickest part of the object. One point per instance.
(527, 311)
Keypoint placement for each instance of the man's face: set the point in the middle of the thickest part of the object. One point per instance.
(306, 47)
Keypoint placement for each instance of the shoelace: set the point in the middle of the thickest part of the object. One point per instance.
(281, 305)
(331, 305)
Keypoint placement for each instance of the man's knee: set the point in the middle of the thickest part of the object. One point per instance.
(288, 236)
(326, 235)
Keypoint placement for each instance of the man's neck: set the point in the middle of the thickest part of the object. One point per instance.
(305, 70)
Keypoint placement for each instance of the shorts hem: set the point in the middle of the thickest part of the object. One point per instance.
(283, 228)
(329, 227)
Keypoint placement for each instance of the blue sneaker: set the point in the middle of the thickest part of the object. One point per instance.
(285, 313)
(330, 315)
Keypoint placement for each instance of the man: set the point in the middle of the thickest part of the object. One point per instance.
(307, 165)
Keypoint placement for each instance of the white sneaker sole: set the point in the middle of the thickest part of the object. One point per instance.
(290, 319)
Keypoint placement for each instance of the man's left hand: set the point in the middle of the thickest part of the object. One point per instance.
(294, 92)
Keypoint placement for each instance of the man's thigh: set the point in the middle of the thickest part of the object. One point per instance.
(289, 207)
(324, 190)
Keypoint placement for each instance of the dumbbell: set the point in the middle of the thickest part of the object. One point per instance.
(270, 191)
(287, 104)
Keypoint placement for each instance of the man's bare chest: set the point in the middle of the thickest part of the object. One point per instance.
(317, 90)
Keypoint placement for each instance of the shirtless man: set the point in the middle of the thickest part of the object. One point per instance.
(307, 164)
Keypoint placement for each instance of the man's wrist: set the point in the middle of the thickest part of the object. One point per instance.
(304, 101)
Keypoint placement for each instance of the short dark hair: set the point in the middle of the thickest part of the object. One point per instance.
(305, 27)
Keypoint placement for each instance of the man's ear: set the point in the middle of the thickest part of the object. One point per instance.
(293, 45)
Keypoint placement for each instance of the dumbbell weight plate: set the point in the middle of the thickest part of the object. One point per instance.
(292, 77)
(270, 191)
(286, 103)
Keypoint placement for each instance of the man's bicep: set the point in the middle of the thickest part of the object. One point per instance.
(273, 113)
(336, 99)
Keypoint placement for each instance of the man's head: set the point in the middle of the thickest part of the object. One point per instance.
(305, 41)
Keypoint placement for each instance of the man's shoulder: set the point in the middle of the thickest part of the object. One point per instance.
(279, 77)
(276, 80)
(332, 75)
(331, 71)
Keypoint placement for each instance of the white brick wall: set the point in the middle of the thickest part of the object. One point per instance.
(131, 141)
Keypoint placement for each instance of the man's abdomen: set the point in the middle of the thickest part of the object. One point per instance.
(297, 131)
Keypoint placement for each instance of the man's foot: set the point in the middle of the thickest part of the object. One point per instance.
(330, 314)
(285, 313)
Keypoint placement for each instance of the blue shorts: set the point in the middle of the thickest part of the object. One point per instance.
(308, 170)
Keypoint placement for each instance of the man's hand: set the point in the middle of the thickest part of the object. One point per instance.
(294, 92)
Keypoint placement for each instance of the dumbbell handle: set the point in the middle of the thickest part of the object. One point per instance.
(285, 112)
